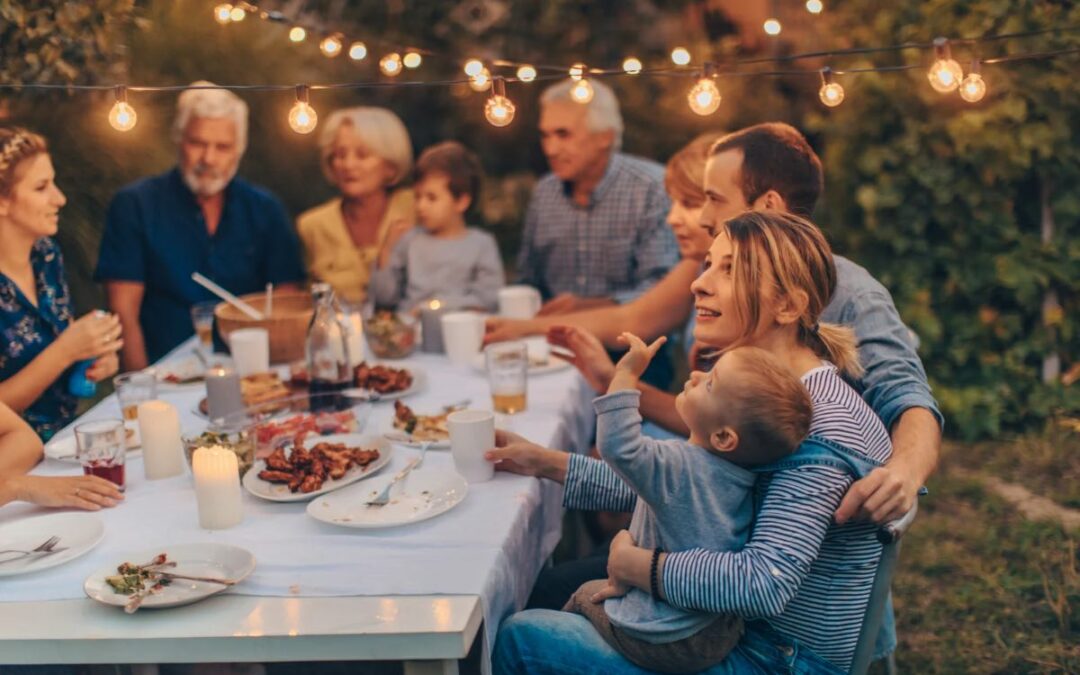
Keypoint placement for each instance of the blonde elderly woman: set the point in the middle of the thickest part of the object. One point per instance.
(366, 155)
(197, 216)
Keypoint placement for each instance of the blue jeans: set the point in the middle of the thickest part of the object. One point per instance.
(545, 641)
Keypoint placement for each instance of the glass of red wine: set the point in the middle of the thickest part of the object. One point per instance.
(101, 449)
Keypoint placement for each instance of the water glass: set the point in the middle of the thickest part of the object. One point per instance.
(101, 449)
(131, 390)
(507, 369)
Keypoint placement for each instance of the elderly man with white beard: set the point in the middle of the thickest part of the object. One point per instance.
(197, 217)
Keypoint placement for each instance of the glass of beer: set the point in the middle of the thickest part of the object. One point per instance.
(202, 317)
(101, 449)
(131, 390)
(507, 368)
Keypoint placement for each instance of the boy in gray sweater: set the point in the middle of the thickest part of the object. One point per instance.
(748, 410)
(443, 258)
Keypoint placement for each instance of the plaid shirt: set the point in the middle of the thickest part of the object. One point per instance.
(617, 246)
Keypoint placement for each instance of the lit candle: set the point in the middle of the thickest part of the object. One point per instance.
(217, 487)
(163, 452)
(431, 326)
(223, 395)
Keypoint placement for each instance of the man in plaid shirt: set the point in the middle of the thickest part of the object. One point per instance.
(595, 231)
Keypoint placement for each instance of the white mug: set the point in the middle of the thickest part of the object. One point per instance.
(250, 349)
(519, 302)
(463, 334)
(472, 433)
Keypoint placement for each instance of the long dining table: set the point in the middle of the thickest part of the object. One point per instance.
(419, 593)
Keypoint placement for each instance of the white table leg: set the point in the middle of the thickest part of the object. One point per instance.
(443, 667)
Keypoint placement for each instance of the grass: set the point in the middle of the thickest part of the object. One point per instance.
(980, 589)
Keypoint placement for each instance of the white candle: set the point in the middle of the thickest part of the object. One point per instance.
(163, 452)
(217, 487)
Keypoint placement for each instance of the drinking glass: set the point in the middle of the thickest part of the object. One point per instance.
(101, 449)
(131, 390)
(202, 317)
(507, 368)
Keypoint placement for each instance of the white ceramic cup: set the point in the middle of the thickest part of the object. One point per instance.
(463, 334)
(519, 302)
(539, 350)
(472, 433)
(250, 349)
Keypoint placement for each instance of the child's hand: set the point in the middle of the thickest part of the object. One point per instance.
(637, 359)
(612, 589)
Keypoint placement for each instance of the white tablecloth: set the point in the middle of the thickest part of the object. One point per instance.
(492, 544)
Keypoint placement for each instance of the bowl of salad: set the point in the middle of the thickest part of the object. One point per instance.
(391, 335)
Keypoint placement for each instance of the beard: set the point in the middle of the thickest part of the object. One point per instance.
(205, 181)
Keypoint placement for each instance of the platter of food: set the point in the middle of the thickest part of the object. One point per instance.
(317, 466)
(260, 389)
(278, 432)
(386, 383)
(411, 428)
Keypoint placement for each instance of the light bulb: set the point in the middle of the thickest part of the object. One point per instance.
(390, 64)
(357, 51)
(831, 94)
(297, 34)
(814, 6)
(945, 75)
(772, 27)
(473, 67)
(499, 111)
(223, 13)
(303, 118)
(704, 97)
(577, 71)
(237, 14)
(122, 117)
(581, 92)
(973, 88)
(632, 66)
(330, 46)
(481, 81)
(412, 60)
(680, 57)
(526, 73)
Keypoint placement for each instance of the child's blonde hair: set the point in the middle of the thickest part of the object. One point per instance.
(770, 410)
(800, 260)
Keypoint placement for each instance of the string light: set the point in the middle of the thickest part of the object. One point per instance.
(330, 46)
(499, 110)
(412, 60)
(814, 6)
(223, 13)
(473, 67)
(772, 27)
(481, 81)
(297, 34)
(526, 73)
(357, 51)
(582, 91)
(122, 117)
(680, 56)
(632, 66)
(577, 71)
(704, 97)
(831, 93)
(237, 14)
(945, 74)
(390, 65)
(973, 88)
(302, 117)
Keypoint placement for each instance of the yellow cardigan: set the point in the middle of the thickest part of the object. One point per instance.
(331, 255)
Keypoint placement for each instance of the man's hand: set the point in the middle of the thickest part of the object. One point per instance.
(635, 361)
(500, 329)
(885, 494)
(515, 454)
(612, 589)
(565, 303)
(589, 355)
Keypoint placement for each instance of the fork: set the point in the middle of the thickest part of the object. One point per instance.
(383, 498)
(45, 548)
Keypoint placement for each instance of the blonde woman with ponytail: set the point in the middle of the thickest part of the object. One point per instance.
(802, 581)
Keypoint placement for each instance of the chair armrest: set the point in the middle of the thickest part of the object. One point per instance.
(893, 530)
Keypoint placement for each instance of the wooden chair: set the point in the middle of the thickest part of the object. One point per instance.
(889, 535)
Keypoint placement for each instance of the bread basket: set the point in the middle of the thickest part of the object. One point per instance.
(287, 325)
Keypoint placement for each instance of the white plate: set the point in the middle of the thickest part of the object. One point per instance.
(78, 532)
(63, 449)
(203, 560)
(553, 365)
(399, 436)
(424, 493)
(279, 492)
(419, 383)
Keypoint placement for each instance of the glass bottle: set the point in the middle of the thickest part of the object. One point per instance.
(327, 351)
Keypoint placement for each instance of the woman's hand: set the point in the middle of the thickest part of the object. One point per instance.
(89, 493)
(515, 454)
(95, 334)
(105, 367)
(589, 355)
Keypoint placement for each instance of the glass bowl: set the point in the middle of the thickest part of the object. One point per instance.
(390, 335)
(240, 442)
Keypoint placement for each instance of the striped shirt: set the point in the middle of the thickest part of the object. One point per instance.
(810, 577)
(617, 246)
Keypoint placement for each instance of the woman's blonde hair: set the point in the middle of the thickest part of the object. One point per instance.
(16, 146)
(382, 132)
(800, 260)
(684, 177)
